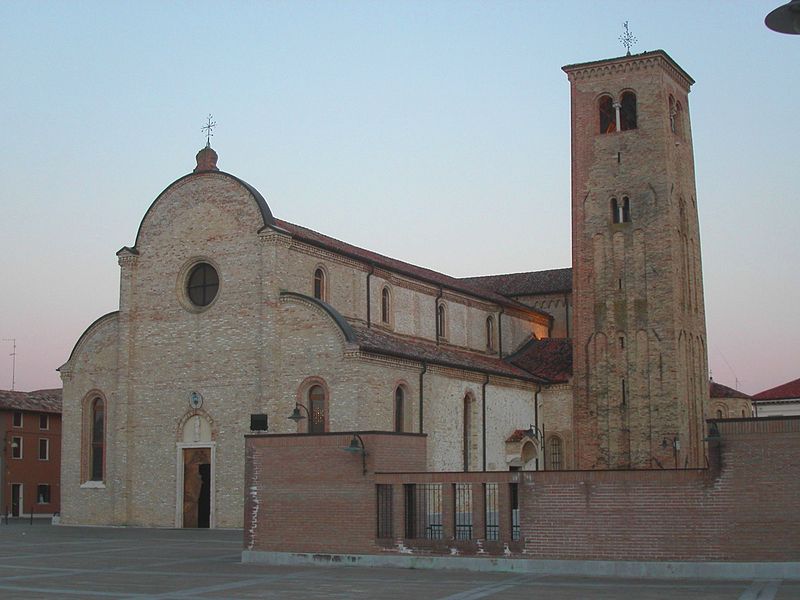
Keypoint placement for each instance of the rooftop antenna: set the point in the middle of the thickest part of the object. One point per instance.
(207, 128)
(13, 356)
(627, 39)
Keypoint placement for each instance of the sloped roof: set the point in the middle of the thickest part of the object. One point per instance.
(529, 283)
(48, 401)
(392, 264)
(549, 359)
(787, 391)
(380, 342)
(717, 390)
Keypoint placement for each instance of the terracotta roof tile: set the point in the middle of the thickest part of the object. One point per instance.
(717, 390)
(48, 401)
(787, 391)
(526, 284)
(550, 359)
(381, 342)
(318, 239)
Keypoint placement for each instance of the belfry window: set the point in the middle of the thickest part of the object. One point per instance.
(627, 113)
(202, 285)
(386, 305)
(621, 210)
(608, 118)
(319, 284)
(97, 436)
(316, 409)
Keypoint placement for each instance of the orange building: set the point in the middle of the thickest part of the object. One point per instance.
(30, 464)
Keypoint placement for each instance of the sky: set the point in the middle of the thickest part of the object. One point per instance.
(436, 132)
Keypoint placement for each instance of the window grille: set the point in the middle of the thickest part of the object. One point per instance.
(492, 512)
(514, 493)
(423, 511)
(462, 498)
(385, 498)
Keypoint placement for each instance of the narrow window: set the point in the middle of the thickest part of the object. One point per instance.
(622, 343)
(555, 453)
(626, 210)
(16, 447)
(719, 413)
(440, 321)
(43, 493)
(624, 393)
(743, 414)
(672, 115)
(319, 284)
(462, 510)
(17, 419)
(316, 408)
(385, 305)
(490, 333)
(492, 504)
(514, 502)
(608, 121)
(399, 410)
(44, 449)
(628, 111)
(44, 422)
(98, 439)
(616, 213)
(385, 501)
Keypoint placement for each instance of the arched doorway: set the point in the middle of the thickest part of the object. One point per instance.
(195, 474)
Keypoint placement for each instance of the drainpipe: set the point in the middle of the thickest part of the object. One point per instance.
(544, 450)
(536, 417)
(483, 420)
(500, 332)
(566, 312)
(421, 395)
(369, 314)
(436, 315)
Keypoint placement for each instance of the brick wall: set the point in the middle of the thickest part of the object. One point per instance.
(306, 494)
(741, 509)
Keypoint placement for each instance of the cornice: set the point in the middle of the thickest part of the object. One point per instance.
(625, 64)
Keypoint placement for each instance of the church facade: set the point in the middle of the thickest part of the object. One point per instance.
(227, 311)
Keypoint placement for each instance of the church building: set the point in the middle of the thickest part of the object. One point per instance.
(227, 311)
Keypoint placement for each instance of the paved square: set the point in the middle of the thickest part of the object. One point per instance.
(42, 561)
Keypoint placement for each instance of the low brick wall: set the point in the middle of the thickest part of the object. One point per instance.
(743, 508)
(304, 493)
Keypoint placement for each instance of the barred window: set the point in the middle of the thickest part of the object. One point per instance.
(555, 453)
(316, 409)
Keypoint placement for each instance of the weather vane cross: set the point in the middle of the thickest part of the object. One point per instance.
(209, 126)
(627, 39)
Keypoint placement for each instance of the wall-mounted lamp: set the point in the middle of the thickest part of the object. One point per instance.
(534, 433)
(713, 434)
(296, 416)
(357, 445)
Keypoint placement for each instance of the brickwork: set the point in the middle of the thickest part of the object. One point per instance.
(640, 367)
(742, 509)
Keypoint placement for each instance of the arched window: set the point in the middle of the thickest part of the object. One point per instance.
(608, 118)
(386, 305)
(627, 111)
(97, 438)
(399, 409)
(621, 210)
(467, 434)
(316, 409)
(490, 333)
(719, 413)
(441, 321)
(319, 284)
(554, 453)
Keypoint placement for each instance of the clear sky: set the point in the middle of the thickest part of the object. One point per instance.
(435, 132)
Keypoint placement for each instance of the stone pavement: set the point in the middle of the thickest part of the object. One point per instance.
(44, 561)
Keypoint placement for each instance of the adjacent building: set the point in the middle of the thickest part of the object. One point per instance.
(30, 465)
(780, 401)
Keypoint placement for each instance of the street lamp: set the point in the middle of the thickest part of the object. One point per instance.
(296, 416)
(785, 19)
(357, 445)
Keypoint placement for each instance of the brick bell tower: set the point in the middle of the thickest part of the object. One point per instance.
(640, 384)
